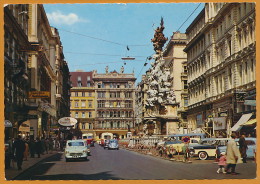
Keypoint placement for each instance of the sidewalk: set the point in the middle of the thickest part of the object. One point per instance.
(12, 172)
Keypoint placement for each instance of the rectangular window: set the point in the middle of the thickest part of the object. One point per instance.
(101, 103)
(83, 94)
(76, 94)
(83, 115)
(90, 114)
(186, 102)
(83, 103)
(88, 78)
(76, 115)
(88, 84)
(89, 94)
(76, 104)
(90, 104)
(185, 86)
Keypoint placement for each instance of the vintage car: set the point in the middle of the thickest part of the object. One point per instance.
(113, 144)
(76, 149)
(175, 146)
(207, 147)
(106, 142)
(251, 145)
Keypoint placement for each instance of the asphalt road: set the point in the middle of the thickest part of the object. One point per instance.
(127, 165)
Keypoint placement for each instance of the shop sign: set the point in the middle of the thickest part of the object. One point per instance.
(67, 121)
(199, 121)
(250, 102)
(219, 123)
(8, 124)
(39, 94)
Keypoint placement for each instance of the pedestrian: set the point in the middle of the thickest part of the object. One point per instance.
(243, 147)
(19, 148)
(42, 146)
(51, 144)
(11, 151)
(186, 152)
(46, 143)
(26, 151)
(233, 155)
(222, 163)
(38, 147)
(32, 147)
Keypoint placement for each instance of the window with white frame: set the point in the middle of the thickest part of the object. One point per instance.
(76, 114)
(83, 115)
(83, 103)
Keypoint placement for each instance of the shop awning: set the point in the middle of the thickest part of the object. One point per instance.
(244, 118)
(250, 122)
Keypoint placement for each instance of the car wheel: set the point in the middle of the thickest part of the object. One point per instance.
(203, 155)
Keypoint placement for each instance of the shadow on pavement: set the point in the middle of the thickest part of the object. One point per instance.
(44, 167)
(97, 176)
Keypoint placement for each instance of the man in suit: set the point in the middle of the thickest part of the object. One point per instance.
(19, 148)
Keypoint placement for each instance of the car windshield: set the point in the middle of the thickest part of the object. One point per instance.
(113, 141)
(75, 144)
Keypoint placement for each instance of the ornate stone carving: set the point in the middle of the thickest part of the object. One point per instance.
(159, 40)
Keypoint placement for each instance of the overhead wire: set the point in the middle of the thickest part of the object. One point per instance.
(176, 31)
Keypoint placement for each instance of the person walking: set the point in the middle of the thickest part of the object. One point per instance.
(42, 145)
(233, 155)
(243, 147)
(222, 163)
(38, 147)
(186, 152)
(26, 151)
(19, 148)
(51, 144)
(32, 147)
(46, 143)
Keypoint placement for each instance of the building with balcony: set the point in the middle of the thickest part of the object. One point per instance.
(16, 72)
(115, 101)
(221, 67)
(82, 101)
(34, 63)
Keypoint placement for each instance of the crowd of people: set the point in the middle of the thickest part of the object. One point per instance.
(19, 149)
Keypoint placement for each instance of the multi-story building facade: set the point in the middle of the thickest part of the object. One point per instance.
(115, 98)
(16, 73)
(221, 67)
(32, 65)
(82, 100)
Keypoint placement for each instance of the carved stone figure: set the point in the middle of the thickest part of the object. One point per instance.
(106, 69)
(159, 39)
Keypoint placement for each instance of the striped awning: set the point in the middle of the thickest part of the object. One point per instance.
(244, 118)
(250, 122)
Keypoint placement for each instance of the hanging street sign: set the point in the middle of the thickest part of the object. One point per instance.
(67, 121)
(39, 94)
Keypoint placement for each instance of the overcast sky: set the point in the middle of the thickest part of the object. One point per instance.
(97, 35)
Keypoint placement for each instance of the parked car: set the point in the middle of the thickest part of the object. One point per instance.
(76, 149)
(106, 142)
(251, 145)
(113, 144)
(207, 147)
(175, 146)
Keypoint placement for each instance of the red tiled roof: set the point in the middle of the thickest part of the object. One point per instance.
(83, 75)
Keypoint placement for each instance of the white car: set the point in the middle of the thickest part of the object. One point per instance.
(76, 149)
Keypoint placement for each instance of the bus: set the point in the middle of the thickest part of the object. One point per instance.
(89, 138)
